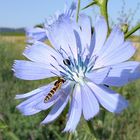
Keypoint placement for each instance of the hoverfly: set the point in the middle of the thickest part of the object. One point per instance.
(57, 85)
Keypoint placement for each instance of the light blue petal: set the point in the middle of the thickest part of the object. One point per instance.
(118, 55)
(29, 106)
(90, 104)
(85, 26)
(78, 41)
(56, 111)
(42, 53)
(52, 19)
(29, 111)
(34, 92)
(100, 34)
(42, 92)
(43, 105)
(115, 40)
(71, 11)
(92, 46)
(36, 34)
(61, 35)
(28, 70)
(83, 29)
(109, 99)
(123, 73)
(75, 110)
(98, 76)
(59, 106)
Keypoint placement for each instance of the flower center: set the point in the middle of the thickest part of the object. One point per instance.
(74, 71)
(78, 77)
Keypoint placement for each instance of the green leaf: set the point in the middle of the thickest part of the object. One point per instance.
(11, 136)
(3, 126)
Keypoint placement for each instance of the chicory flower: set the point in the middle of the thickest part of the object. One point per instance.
(85, 62)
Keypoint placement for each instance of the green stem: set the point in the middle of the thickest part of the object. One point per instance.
(91, 128)
(78, 10)
(132, 31)
(58, 136)
(103, 116)
(104, 11)
(70, 136)
(103, 120)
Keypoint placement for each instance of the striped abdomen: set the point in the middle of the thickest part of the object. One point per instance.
(50, 94)
(57, 85)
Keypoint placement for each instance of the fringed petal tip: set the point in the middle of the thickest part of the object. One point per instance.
(36, 33)
(15, 61)
(30, 113)
(31, 93)
(43, 123)
(21, 96)
(68, 130)
(91, 117)
(17, 96)
(14, 66)
(27, 112)
(28, 70)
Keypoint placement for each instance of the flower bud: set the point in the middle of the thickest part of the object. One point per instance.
(124, 27)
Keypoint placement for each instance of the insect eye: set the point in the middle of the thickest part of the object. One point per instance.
(63, 80)
(66, 62)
